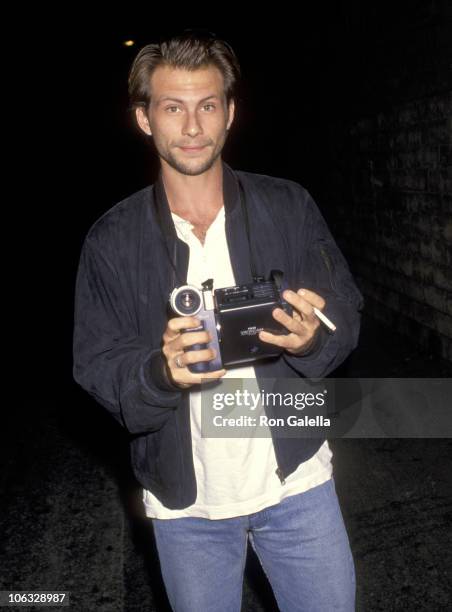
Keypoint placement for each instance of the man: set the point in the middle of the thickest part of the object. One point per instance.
(206, 496)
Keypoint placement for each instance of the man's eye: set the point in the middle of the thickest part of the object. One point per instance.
(171, 108)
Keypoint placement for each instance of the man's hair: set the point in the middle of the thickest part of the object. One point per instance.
(191, 50)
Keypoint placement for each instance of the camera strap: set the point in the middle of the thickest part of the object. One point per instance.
(256, 278)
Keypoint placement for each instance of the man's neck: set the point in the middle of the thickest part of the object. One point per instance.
(194, 198)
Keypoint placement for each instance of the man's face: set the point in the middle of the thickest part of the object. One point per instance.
(187, 109)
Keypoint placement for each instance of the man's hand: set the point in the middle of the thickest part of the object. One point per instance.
(174, 343)
(303, 325)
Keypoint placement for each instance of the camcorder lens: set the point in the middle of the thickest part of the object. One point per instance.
(187, 302)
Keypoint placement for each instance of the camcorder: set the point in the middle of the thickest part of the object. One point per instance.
(233, 316)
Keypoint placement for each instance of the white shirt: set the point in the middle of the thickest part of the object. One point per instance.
(234, 476)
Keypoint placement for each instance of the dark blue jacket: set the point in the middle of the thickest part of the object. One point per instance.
(123, 283)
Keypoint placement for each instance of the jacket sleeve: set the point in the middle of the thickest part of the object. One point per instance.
(324, 270)
(119, 368)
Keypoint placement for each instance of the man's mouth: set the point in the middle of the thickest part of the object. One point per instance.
(193, 149)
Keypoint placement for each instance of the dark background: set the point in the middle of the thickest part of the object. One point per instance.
(353, 101)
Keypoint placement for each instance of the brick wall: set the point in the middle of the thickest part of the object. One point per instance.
(391, 183)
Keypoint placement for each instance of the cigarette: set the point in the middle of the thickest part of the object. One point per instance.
(324, 319)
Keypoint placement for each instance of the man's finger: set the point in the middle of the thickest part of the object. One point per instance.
(291, 341)
(289, 322)
(198, 356)
(210, 375)
(190, 338)
(183, 341)
(176, 324)
(300, 304)
(196, 379)
(313, 298)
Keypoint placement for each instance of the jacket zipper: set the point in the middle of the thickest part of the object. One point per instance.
(328, 265)
(278, 470)
(280, 475)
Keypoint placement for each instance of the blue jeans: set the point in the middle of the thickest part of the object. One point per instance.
(301, 544)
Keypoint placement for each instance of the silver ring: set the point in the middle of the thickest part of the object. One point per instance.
(178, 363)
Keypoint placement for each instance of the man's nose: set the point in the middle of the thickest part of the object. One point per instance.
(192, 126)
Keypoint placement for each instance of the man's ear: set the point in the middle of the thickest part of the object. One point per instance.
(231, 111)
(143, 120)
